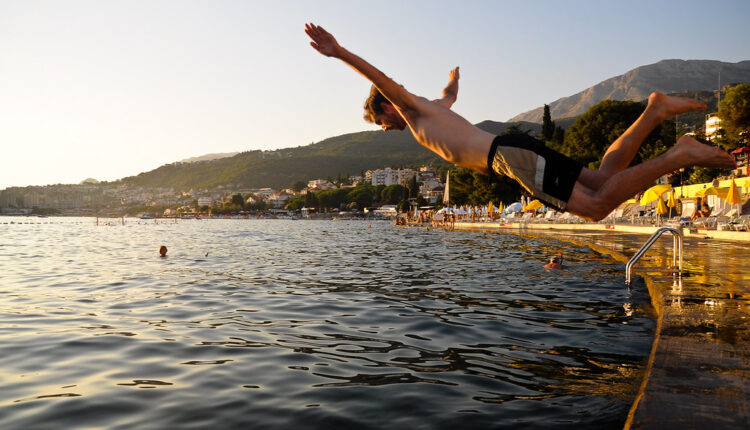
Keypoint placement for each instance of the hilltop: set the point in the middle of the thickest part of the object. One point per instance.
(666, 76)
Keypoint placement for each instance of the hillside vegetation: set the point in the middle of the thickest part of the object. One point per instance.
(349, 154)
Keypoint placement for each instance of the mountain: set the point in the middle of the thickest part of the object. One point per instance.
(348, 154)
(667, 76)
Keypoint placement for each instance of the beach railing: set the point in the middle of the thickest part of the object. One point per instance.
(676, 251)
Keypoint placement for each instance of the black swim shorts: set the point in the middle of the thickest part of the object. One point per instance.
(548, 175)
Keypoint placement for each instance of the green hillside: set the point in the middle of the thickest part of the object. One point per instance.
(349, 154)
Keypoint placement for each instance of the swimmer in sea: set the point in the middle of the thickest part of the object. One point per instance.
(557, 180)
(162, 251)
(555, 262)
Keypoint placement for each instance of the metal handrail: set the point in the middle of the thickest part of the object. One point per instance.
(676, 250)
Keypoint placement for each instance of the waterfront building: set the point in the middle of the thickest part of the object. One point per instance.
(390, 176)
(742, 157)
(205, 201)
(713, 125)
(320, 185)
(279, 199)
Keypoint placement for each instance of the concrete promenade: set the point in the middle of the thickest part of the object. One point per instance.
(698, 376)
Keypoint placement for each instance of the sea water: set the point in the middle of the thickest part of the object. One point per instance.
(281, 324)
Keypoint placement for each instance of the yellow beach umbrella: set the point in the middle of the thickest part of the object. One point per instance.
(713, 191)
(490, 208)
(661, 208)
(654, 193)
(672, 202)
(733, 195)
(536, 204)
(500, 207)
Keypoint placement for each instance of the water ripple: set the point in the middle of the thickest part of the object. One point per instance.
(309, 324)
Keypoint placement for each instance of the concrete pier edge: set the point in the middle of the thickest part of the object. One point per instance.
(658, 410)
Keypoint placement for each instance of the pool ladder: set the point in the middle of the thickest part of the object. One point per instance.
(676, 251)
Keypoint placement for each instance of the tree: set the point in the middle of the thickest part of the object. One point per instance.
(332, 199)
(548, 126)
(703, 174)
(589, 137)
(238, 201)
(413, 187)
(299, 186)
(392, 194)
(734, 112)
(360, 196)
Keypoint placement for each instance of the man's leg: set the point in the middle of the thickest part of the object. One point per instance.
(622, 151)
(595, 204)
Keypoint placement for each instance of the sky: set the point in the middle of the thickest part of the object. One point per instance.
(107, 89)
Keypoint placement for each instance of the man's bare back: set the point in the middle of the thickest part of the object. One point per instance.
(449, 135)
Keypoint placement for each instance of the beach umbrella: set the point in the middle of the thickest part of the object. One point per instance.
(532, 206)
(672, 202)
(713, 191)
(661, 208)
(446, 193)
(515, 207)
(500, 207)
(733, 196)
(490, 208)
(654, 193)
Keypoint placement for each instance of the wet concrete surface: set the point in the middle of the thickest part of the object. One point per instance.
(699, 371)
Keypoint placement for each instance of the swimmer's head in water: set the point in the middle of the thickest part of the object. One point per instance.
(163, 251)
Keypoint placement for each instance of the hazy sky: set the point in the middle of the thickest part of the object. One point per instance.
(108, 89)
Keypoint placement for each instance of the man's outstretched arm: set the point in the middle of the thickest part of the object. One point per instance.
(450, 93)
(326, 44)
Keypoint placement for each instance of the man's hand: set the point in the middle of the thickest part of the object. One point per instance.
(453, 75)
(326, 44)
(322, 41)
(450, 93)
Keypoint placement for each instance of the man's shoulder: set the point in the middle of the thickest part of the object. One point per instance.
(429, 106)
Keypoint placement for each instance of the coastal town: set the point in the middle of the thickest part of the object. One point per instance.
(91, 198)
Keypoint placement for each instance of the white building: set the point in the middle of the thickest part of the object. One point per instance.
(320, 185)
(713, 125)
(278, 200)
(390, 176)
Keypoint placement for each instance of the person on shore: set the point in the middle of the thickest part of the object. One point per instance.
(705, 211)
(549, 176)
(701, 211)
(555, 262)
(162, 251)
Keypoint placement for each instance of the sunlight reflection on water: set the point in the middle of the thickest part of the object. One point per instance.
(318, 324)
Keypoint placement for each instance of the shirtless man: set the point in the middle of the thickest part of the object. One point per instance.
(551, 177)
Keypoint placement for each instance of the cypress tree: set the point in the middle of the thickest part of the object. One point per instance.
(548, 126)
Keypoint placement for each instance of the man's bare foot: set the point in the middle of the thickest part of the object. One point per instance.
(667, 106)
(698, 154)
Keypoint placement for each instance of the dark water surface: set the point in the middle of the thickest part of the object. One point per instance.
(309, 324)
